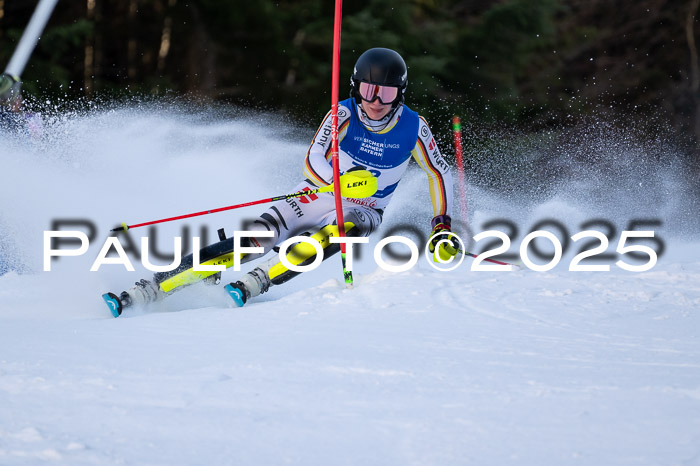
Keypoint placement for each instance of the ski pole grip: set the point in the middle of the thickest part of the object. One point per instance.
(358, 184)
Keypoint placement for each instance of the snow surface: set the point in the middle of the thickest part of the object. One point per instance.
(415, 368)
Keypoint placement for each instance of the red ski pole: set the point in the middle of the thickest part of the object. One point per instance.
(356, 184)
(494, 261)
(125, 227)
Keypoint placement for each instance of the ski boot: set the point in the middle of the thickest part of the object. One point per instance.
(252, 284)
(142, 292)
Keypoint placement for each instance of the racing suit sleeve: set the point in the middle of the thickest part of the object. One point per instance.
(318, 166)
(427, 154)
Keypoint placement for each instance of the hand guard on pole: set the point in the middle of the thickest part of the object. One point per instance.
(443, 242)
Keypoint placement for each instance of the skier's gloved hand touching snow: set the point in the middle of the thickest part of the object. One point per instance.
(444, 243)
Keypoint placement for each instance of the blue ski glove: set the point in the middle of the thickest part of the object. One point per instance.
(441, 232)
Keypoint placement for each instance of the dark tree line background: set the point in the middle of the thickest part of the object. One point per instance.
(528, 63)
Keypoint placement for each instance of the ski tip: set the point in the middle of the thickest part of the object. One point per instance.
(236, 294)
(114, 304)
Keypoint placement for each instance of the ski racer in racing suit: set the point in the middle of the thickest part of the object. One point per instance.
(14, 119)
(376, 132)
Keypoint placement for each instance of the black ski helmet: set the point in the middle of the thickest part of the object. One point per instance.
(381, 66)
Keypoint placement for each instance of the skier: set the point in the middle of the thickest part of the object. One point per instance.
(376, 132)
(13, 118)
(10, 103)
(13, 121)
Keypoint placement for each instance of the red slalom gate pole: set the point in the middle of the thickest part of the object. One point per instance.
(347, 274)
(457, 132)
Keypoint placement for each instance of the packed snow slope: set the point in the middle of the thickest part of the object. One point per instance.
(414, 368)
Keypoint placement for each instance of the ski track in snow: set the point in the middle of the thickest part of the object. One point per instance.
(414, 368)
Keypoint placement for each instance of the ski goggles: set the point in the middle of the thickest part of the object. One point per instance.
(371, 92)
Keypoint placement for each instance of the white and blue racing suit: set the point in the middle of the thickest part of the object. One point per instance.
(383, 147)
